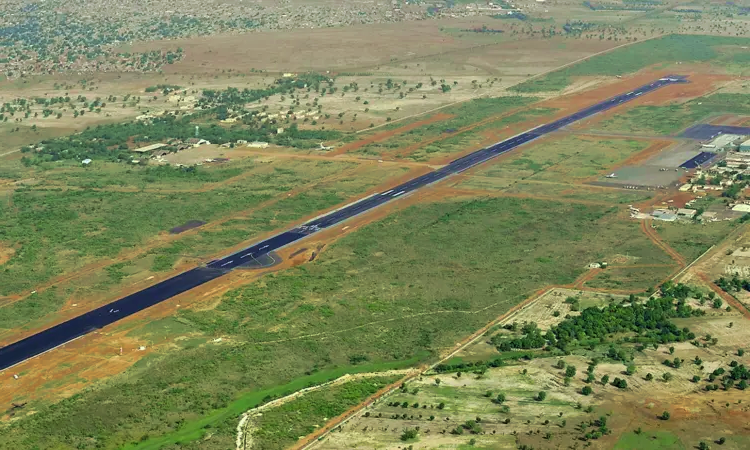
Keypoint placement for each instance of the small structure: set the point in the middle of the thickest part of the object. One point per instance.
(279, 130)
(148, 148)
(664, 214)
(745, 146)
(724, 142)
(86, 162)
(687, 213)
(258, 144)
(197, 142)
(741, 207)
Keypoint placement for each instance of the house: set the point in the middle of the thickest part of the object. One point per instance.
(279, 131)
(86, 162)
(688, 213)
(258, 144)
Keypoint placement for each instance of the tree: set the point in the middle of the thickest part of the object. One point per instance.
(605, 379)
(717, 303)
(586, 390)
(702, 446)
(721, 441)
(441, 405)
(541, 396)
(408, 434)
(667, 376)
(649, 377)
(665, 415)
(671, 350)
(630, 369)
(560, 364)
(570, 371)
(740, 352)
(500, 398)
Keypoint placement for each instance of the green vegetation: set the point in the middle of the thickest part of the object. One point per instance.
(649, 440)
(464, 114)
(650, 321)
(61, 230)
(692, 240)
(473, 138)
(669, 119)
(340, 293)
(280, 427)
(672, 48)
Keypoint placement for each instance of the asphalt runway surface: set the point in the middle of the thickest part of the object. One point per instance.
(698, 160)
(707, 131)
(255, 255)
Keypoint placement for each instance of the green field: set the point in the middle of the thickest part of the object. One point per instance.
(692, 240)
(556, 169)
(465, 114)
(279, 428)
(649, 440)
(38, 308)
(664, 120)
(473, 138)
(412, 283)
(636, 279)
(665, 51)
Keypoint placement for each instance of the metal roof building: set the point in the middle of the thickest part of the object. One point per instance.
(148, 148)
(723, 141)
(745, 146)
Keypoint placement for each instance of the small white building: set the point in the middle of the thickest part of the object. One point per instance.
(258, 144)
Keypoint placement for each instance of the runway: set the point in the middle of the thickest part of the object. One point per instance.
(86, 323)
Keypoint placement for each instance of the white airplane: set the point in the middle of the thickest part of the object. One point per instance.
(611, 175)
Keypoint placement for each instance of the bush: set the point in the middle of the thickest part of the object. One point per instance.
(409, 434)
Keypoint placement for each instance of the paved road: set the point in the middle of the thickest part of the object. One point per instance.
(65, 332)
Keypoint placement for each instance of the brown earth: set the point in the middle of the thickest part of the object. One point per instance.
(365, 48)
(6, 252)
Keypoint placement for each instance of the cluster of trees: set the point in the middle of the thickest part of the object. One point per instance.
(110, 141)
(650, 320)
(734, 284)
(468, 366)
(234, 97)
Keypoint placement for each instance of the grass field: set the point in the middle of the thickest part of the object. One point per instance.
(692, 240)
(473, 138)
(465, 114)
(636, 279)
(556, 169)
(567, 160)
(665, 51)
(278, 428)
(664, 120)
(390, 292)
(649, 440)
(59, 230)
(37, 309)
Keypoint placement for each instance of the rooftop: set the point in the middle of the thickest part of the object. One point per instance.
(148, 148)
